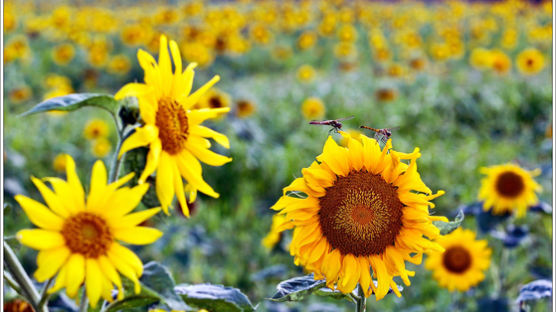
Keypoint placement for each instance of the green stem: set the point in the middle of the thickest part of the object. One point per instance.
(361, 303)
(45, 294)
(12, 283)
(21, 278)
(84, 302)
(116, 161)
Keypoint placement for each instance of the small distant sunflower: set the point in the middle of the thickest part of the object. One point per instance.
(306, 40)
(530, 61)
(305, 73)
(245, 108)
(59, 162)
(215, 98)
(386, 94)
(480, 58)
(507, 188)
(78, 235)
(119, 64)
(63, 54)
(501, 63)
(172, 129)
(20, 94)
(313, 108)
(365, 212)
(95, 128)
(463, 263)
(101, 147)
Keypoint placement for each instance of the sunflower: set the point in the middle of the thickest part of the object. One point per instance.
(63, 54)
(245, 108)
(463, 263)
(501, 63)
(101, 147)
(173, 130)
(78, 237)
(530, 61)
(59, 163)
(364, 210)
(313, 108)
(95, 128)
(507, 188)
(305, 73)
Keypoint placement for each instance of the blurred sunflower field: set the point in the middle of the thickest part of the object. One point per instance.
(170, 164)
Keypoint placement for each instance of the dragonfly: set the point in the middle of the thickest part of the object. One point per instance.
(334, 123)
(381, 135)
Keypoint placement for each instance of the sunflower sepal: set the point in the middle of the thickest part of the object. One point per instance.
(450, 226)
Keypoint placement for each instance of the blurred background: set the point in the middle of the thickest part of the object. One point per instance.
(469, 83)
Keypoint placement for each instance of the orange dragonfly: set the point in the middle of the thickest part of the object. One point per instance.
(381, 135)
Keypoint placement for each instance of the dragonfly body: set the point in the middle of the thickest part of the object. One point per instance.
(334, 123)
(381, 135)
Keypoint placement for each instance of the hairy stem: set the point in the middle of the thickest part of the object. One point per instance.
(361, 304)
(15, 268)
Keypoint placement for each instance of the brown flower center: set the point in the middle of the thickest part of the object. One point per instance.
(456, 259)
(87, 234)
(172, 124)
(510, 184)
(215, 102)
(530, 62)
(360, 214)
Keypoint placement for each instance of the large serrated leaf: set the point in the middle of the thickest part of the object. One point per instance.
(156, 286)
(297, 288)
(214, 297)
(448, 227)
(76, 101)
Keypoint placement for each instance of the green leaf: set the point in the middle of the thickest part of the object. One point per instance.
(75, 101)
(449, 227)
(214, 297)
(156, 286)
(327, 292)
(297, 288)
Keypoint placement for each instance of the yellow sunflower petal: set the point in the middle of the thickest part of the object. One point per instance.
(93, 281)
(138, 235)
(39, 214)
(209, 133)
(153, 158)
(49, 262)
(207, 156)
(195, 96)
(50, 198)
(165, 181)
(75, 183)
(75, 274)
(40, 239)
(99, 180)
(110, 271)
(128, 257)
(141, 137)
(134, 219)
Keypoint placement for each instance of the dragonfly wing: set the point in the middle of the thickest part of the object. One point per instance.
(345, 118)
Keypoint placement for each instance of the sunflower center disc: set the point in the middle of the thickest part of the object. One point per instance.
(87, 234)
(510, 184)
(171, 121)
(215, 102)
(360, 214)
(456, 259)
